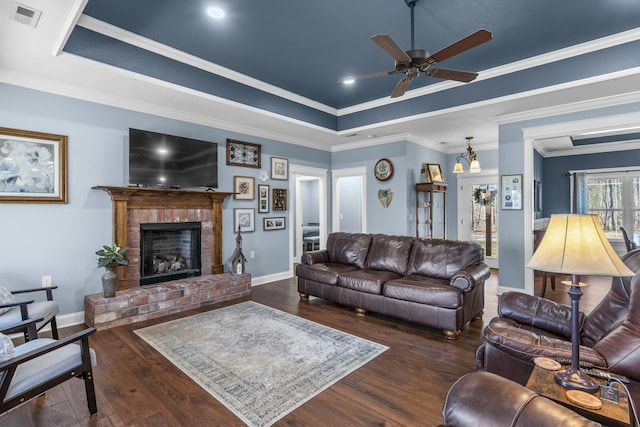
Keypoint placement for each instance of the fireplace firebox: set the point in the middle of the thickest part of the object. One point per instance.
(169, 251)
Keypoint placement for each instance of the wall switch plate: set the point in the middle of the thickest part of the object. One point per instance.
(252, 254)
(46, 281)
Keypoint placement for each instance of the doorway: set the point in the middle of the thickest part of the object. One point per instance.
(310, 217)
(349, 200)
(478, 212)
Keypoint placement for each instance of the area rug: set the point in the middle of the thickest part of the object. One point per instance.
(260, 362)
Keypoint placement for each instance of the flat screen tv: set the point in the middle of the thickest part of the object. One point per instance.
(159, 160)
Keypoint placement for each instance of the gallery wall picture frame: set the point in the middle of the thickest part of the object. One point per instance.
(36, 167)
(435, 173)
(511, 192)
(245, 218)
(279, 168)
(244, 188)
(273, 223)
(279, 199)
(263, 198)
(245, 154)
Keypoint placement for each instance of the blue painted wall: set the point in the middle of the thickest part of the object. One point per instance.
(555, 175)
(60, 240)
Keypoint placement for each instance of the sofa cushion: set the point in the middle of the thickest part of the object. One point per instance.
(442, 258)
(369, 281)
(348, 248)
(424, 290)
(389, 253)
(323, 272)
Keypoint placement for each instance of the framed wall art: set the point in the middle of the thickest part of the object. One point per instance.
(245, 218)
(511, 192)
(279, 168)
(263, 198)
(279, 199)
(244, 187)
(435, 173)
(34, 167)
(276, 223)
(243, 154)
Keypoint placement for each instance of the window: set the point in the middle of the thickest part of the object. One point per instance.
(615, 198)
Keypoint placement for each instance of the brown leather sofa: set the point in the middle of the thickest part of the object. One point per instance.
(530, 326)
(485, 399)
(433, 282)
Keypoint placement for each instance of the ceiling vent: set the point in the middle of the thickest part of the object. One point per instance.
(24, 14)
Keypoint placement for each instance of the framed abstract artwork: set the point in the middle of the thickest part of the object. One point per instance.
(34, 167)
(245, 218)
(279, 168)
(244, 187)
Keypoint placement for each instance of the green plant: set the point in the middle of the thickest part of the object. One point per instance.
(112, 255)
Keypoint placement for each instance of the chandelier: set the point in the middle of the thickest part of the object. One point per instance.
(470, 157)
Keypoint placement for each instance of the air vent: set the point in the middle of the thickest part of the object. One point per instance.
(24, 14)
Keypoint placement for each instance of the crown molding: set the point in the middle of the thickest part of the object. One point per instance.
(593, 149)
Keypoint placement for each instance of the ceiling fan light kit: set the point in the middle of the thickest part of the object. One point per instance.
(415, 61)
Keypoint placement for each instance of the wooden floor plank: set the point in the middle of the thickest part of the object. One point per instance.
(404, 386)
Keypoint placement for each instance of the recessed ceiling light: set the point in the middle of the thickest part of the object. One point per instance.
(216, 12)
(348, 81)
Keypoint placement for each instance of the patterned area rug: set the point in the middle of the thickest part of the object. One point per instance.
(260, 362)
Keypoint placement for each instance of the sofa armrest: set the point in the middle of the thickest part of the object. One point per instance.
(315, 257)
(538, 312)
(467, 278)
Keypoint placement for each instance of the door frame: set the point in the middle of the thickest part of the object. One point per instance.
(304, 173)
(463, 203)
(336, 174)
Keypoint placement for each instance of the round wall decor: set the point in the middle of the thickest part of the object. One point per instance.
(383, 170)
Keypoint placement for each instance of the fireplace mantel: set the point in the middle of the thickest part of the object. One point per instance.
(126, 199)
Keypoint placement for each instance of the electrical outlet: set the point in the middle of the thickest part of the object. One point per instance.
(46, 281)
(252, 254)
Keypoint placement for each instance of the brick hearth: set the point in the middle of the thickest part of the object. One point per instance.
(142, 303)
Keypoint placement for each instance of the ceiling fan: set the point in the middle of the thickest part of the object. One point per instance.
(415, 61)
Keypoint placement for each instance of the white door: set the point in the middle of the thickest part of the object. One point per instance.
(478, 212)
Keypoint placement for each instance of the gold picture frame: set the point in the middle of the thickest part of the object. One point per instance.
(435, 173)
(36, 163)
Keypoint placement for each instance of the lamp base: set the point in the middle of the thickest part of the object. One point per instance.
(575, 379)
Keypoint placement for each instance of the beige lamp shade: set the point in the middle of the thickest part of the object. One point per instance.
(458, 168)
(474, 166)
(576, 244)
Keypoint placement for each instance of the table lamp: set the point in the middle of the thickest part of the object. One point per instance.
(575, 244)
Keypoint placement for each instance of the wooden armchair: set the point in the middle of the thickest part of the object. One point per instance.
(42, 363)
(16, 315)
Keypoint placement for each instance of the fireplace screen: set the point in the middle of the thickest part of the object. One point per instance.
(169, 251)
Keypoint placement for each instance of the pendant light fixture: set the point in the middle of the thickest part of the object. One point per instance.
(470, 157)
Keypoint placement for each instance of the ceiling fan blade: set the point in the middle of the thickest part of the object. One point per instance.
(367, 76)
(389, 46)
(462, 45)
(401, 87)
(443, 73)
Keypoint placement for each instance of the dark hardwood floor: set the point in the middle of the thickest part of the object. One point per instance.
(405, 386)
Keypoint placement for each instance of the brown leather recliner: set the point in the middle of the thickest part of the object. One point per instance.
(530, 326)
(485, 399)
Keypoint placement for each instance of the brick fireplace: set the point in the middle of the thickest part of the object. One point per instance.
(134, 207)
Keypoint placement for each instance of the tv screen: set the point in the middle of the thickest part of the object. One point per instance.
(160, 160)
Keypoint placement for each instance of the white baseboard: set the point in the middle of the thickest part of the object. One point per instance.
(255, 281)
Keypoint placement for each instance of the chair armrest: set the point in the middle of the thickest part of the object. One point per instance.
(538, 312)
(47, 289)
(315, 257)
(524, 344)
(24, 312)
(467, 278)
(78, 336)
(22, 326)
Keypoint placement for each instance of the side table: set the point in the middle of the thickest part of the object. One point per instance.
(611, 414)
